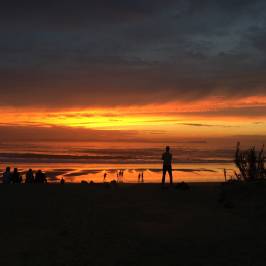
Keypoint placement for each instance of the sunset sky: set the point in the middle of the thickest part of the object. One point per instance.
(123, 70)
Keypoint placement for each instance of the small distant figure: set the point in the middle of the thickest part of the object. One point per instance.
(29, 177)
(62, 181)
(40, 177)
(225, 175)
(7, 176)
(104, 177)
(139, 177)
(121, 173)
(167, 165)
(16, 177)
(142, 177)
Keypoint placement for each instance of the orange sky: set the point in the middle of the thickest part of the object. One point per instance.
(215, 117)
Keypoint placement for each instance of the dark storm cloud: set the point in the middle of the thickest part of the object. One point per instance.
(69, 13)
(83, 53)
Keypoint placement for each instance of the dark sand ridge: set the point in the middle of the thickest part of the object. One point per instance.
(96, 224)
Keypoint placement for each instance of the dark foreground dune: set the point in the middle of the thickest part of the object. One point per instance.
(132, 225)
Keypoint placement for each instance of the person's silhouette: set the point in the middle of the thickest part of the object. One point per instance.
(167, 165)
(29, 177)
(40, 177)
(7, 176)
(104, 177)
(16, 177)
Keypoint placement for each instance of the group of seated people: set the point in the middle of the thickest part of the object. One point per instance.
(16, 178)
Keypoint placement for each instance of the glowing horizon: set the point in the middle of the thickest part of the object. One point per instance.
(204, 118)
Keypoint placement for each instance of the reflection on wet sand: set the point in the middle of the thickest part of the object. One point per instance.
(75, 173)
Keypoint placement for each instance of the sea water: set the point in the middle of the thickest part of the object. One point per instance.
(88, 161)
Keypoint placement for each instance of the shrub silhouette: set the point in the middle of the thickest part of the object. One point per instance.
(251, 164)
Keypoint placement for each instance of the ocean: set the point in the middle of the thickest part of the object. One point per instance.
(87, 161)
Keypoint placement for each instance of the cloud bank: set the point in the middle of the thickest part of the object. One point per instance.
(106, 53)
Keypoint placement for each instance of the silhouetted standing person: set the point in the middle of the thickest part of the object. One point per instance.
(16, 177)
(40, 177)
(142, 177)
(104, 177)
(225, 175)
(29, 177)
(167, 165)
(7, 176)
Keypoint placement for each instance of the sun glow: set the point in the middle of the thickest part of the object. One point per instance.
(206, 117)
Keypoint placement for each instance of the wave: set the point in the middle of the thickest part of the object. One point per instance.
(115, 158)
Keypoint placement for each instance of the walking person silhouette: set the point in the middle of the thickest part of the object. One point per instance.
(167, 165)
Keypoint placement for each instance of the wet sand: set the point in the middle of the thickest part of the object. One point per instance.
(75, 173)
(82, 224)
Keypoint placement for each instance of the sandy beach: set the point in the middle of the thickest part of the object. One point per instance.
(130, 224)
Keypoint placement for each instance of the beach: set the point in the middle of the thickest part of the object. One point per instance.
(77, 161)
(133, 224)
(75, 173)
